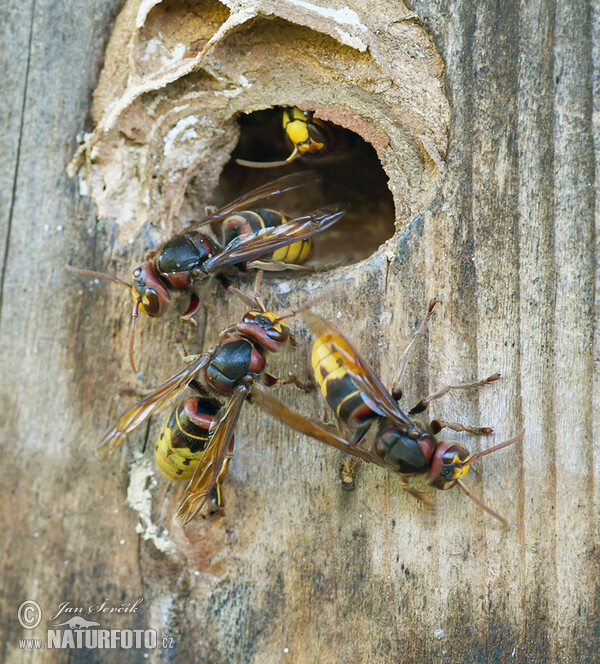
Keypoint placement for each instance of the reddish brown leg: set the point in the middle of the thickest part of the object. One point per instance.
(230, 288)
(438, 425)
(129, 391)
(216, 497)
(191, 311)
(413, 492)
(226, 331)
(279, 266)
(251, 302)
(292, 379)
(424, 403)
(257, 285)
(396, 389)
(179, 344)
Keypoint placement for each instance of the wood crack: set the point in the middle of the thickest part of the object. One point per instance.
(13, 195)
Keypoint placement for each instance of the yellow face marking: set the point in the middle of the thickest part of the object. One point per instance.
(463, 471)
(136, 298)
(311, 146)
(266, 314)
(459, 472)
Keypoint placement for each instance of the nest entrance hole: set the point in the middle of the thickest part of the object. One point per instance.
(351, 172)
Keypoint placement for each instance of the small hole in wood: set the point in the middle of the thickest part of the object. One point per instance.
(351, 172)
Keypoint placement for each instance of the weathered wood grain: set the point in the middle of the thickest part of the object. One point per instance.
(538, 292)
(298, 570)
(15, 31)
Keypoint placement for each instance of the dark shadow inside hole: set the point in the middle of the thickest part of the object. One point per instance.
(351, 173)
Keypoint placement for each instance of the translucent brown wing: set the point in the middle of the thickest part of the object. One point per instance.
(208, 469)
(115, 435)
(359, 370)
(281, 412)
(250, 247)
(266, 192)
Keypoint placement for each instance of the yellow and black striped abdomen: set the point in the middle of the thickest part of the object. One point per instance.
(253, 221)
(345, 398)
(184, 436)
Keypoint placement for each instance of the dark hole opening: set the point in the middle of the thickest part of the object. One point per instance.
(351, 174)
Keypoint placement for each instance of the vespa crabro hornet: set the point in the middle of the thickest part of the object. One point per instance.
(307, 135)
(247, 235)
(197, 439)
(402, 443)
(184, 437)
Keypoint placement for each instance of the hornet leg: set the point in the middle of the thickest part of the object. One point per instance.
(424, 403)
(438, 425)
(396, 390)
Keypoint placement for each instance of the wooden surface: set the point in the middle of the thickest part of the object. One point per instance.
(298, 570)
